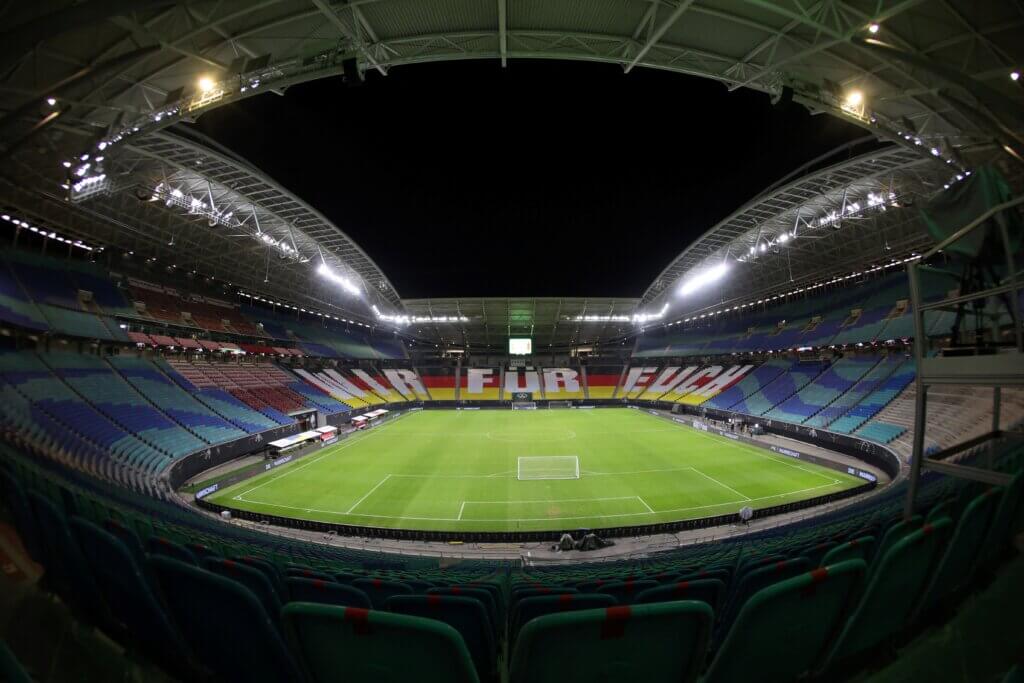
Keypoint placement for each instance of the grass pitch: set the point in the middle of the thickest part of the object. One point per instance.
(457, 470)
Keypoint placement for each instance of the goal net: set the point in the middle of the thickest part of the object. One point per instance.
(549, 467)
(559, 404)
(524, 405)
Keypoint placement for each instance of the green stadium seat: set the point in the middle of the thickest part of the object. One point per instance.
(720, 573)
(893, 535)
(856, 549)
(225, 625)
(326, 593)
(626, 592)
(764, 575)
(478, 592)
(354, 644)
(130, 539)
(251, 578)
(658, 642)
(126, 592)
(11, 670)
(816, 552)
(528, 609)
(306, 573)
(894, 589)
(1003, 522)
(267, 569)
(944, 509)
(711, 591)
(379, 590)
(466, 615)
(13, 498)
(158, 545)
(957, 563)
(66, 569)
(783, 630)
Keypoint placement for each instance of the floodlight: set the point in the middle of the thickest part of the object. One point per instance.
(51, 101)
(704, 278)
(854, 98)
(345, 283)
(1014, 75)
(783, 238)
(206, 83)
(873, 28)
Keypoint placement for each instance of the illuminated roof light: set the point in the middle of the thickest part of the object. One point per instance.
(206, 84)
(707, 277)
(854, 98)
(873, 28)
(783, 238)
(1014, 75)
(764, 247)
(53, 100)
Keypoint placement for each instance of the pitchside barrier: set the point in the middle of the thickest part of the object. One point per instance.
(198, 462)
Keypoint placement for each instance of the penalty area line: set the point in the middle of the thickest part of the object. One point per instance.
(367, 495)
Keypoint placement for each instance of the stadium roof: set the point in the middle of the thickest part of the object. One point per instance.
(106, 80)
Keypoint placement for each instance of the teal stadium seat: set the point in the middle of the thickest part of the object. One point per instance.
(893, 592)
(957, 563)
(710, 591)
(466, 615)
(855, 549)
(657, 642)
(354, 644)
(11, 670)
(528, 609)
(125, 589)
(224, 624)
(379, 590)
(783, 630)
(627, 591)
(1003, 522)
(251, 578)
(326, 593)
(485, 596)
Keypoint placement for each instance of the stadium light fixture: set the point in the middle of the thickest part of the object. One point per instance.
(346, 284)
(1014, 75)
(854, 98)
(51, 101)
(873, 28)
(206, 84)
(703, 279)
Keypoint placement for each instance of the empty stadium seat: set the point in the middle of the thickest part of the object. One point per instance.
(466, 615)
(710, 591)
(379, 590)
(783, 630)
(626, 592)
(856, 549)
(655, 642)
(325, 593)
(893, 592)
(250, 577)
(126, 591)
(350, 643)
(530, 608)
(224, 624)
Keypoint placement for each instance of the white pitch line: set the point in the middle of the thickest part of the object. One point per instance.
(556, 500)
(708, 476)
(538, 519)
(356, 504)
(649, 508)
(461, 508)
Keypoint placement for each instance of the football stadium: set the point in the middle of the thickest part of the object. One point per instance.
(509, 341)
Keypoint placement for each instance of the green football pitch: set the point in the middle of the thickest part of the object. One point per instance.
(462, 470)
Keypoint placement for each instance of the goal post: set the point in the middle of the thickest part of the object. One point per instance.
(524, 405)
(555, 405)
(548, 467)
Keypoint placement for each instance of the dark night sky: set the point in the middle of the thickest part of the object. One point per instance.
(542, 179)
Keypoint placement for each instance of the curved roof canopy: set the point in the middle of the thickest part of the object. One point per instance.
(90, 80)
